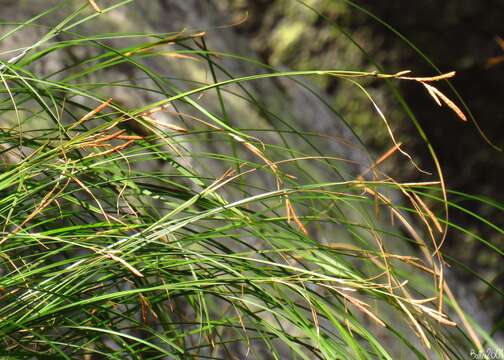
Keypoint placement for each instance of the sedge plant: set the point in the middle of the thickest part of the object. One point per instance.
(171, 224)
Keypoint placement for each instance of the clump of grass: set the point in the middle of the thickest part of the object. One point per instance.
(171, 229)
